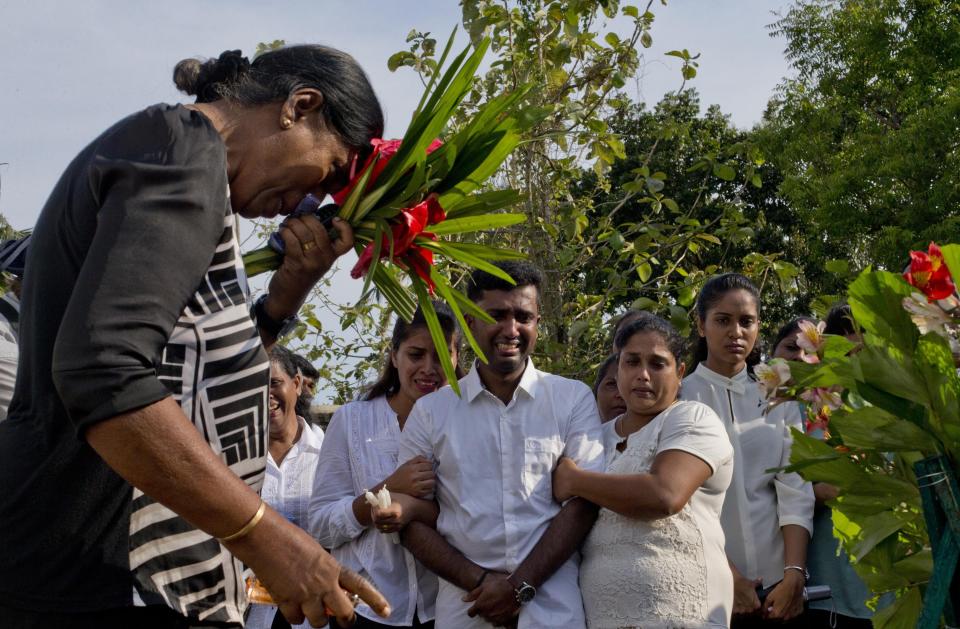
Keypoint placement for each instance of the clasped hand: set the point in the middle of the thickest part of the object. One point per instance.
(414, 478)
(494, 600)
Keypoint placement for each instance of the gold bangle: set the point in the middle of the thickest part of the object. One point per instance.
(246, 528)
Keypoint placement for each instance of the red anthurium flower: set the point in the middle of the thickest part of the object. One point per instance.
(405, 227)
(929, 273)
(383, 151)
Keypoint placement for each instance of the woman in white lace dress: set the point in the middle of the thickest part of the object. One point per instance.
(655, 556)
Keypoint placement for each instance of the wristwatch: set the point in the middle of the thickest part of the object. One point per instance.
(274, 328)
(524, 592)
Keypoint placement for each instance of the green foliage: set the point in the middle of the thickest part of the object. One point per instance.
(865, 131)
(706, 172)
(901, 395)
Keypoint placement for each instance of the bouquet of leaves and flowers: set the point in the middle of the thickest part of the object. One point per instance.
(413, 192)
(885, 404)
(776, 382)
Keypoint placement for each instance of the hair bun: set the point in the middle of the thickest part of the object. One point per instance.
(207, 80)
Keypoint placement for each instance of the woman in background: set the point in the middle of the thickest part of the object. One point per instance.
(767, 516)
(609, 401)
(847, 606)
(655, 557)
(360, 453)
(291, 459)
(785, 343)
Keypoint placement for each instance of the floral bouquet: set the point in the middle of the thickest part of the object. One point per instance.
(412, 192)
(776, 382)
(888, 405)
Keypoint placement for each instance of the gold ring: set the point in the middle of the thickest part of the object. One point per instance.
(307, 246)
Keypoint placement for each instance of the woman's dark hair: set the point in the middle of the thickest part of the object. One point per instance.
(350, 106)
(712, 292)
(285, 358)
(608, 362)
(621, 321)
(649, 322)
(523, 273)
(789, 328)
(839, 321)
(389, 381)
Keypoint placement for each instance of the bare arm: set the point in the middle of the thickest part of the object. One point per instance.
(404, 510)
(495, 599)
(561, 539)
(413, 478)
(786, 599)
(301, 270)
(438, 555)
(158, 450)
(672, 480)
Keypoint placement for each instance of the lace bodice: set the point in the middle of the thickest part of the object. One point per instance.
(647, 573)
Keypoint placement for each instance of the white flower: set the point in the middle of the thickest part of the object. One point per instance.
(771, 376)
(381, 499)
(926, 316)
(810, 338)
(384, 497)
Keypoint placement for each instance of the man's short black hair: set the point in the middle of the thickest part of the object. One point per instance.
(839, 320)
(523, 273)
(306, 367)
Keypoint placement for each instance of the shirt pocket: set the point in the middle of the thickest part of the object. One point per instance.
(540, 456)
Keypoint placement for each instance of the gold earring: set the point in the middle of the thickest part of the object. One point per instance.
(286, 123)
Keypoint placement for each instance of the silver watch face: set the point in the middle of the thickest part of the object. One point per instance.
(526, 593)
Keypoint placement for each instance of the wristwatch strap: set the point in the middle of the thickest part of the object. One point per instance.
(274, 328)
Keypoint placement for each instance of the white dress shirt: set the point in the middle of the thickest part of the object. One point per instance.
(494, 465)
(359, 452)
(758, 502)
(287, 489)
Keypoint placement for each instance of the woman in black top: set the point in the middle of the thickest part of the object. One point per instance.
(136, 439)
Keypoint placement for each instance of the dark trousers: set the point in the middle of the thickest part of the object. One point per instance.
(759, 622)
(153, 617)
(809, 619)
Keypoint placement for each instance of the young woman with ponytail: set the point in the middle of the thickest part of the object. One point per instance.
(360, 453)
(767, 516)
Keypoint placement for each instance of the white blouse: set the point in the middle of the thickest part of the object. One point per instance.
(758, 502)
(287, 488)
(361, 450)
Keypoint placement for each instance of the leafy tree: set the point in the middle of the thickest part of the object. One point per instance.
(581, 57)
(865, 133)
(698, 157)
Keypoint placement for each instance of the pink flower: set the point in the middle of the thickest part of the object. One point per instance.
(771, 376)
(810, 340)
(823, 397)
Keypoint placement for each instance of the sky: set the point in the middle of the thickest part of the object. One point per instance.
(69, 70)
